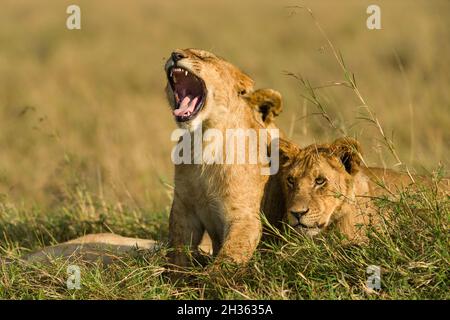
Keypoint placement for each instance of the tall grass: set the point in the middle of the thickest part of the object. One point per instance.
(411, 248)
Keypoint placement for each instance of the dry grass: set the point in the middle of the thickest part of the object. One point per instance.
(87, 107)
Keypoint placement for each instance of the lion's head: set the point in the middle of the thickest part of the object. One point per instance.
(316, 181)
(201, 84)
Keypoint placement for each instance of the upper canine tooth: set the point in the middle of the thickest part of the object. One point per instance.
(185, 73)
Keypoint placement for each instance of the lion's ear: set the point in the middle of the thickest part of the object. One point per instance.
(288, 152)
(267, 102)
(349, 151)
(244, 84)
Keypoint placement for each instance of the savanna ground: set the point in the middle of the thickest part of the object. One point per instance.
(85, 138)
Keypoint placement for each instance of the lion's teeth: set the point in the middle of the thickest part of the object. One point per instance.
(185, 73)
(171, 73)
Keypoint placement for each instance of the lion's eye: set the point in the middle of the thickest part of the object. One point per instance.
(320, 181)
(290, 181)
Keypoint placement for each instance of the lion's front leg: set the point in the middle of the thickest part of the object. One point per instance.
(185, 233)
(241, 239)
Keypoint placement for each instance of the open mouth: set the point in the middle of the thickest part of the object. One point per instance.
(189, 93)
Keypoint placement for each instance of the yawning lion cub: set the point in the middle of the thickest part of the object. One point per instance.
(207, 92)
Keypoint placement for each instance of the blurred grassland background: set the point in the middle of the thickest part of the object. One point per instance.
(86, 108)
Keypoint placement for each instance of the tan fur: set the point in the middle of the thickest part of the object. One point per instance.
(105, 247)
(223, 200)
(344, 199)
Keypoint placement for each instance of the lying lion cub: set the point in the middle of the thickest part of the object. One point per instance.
(326, 184)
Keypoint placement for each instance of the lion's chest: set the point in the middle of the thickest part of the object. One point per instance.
(215, 189)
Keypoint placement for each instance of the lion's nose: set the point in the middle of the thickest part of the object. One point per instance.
(299, 213)
(177, 56)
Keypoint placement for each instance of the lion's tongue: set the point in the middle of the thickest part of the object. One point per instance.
(187, 106)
